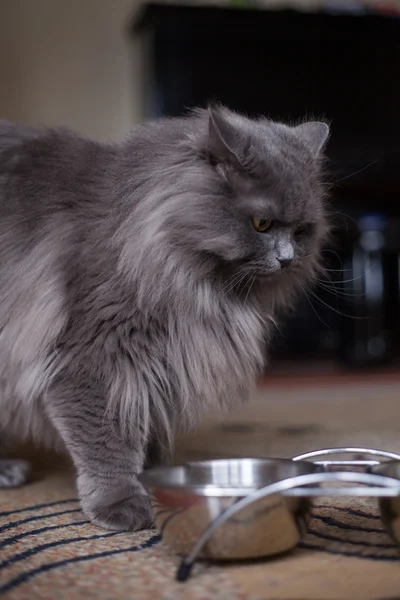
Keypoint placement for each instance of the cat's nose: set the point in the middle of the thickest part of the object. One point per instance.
(285, 261)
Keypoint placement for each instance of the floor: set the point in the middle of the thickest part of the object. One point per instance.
(48, 549)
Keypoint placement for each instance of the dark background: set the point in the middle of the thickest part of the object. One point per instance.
(289, 65)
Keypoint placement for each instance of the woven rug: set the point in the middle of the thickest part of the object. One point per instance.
(48, 549)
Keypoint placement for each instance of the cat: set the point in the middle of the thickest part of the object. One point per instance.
(140, 282)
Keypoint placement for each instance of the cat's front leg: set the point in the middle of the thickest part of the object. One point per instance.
(107, 466)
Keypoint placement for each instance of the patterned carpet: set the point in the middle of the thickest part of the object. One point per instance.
(48, 549)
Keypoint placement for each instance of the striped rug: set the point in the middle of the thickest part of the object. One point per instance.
(49, 550)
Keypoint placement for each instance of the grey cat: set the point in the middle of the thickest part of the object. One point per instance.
(139, 283)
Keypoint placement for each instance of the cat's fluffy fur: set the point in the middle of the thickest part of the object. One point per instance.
(135, 293)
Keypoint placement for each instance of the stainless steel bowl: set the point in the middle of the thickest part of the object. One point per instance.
(187, 499)
(390, 507)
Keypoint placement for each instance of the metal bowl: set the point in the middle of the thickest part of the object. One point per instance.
(390, 507)
(188, 498)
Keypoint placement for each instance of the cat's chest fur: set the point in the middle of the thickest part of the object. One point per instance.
(163, 369)
(168, 371)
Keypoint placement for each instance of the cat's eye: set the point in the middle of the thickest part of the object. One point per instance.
(261, 225)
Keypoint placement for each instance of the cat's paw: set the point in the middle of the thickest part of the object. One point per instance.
(127, 513)
(13, 473)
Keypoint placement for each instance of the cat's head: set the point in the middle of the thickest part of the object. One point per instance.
(239, 196)
(265, 215)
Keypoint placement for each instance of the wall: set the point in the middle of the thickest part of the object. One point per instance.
(69, 62)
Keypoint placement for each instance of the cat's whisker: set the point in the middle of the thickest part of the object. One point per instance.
(331, 307)
(337, 270)
(252, 280)
(270, 318)
(237, 280)
(326, 280)
(330, 251)
(313, 309)
(342, 281)
(232, 281)
(243, 283)
(362, 276)
(331, 286)
(332, 290)
(357, 172)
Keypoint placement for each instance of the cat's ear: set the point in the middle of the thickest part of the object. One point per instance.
(314, 134)
(223, 136)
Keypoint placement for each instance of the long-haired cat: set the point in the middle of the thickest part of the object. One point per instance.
(139, 282)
